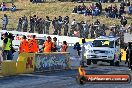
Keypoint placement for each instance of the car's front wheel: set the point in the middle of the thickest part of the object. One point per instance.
(112, 63)
(94, 62)
(88, 62)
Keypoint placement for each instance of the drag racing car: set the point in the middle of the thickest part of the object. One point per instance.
(105, 49)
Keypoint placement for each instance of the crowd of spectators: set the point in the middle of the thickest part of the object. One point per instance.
(4, 7)
(94, 9)
(38, 1)
(104, 1)
(22, 24)
(42, 26)
(112, 11)
(115, 12)
(73, 28)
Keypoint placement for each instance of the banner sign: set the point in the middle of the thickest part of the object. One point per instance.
(51, 61)
(26, 63)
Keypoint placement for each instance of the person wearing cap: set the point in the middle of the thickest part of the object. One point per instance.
(48, 45)
(7, 52)
(33, 45)
(24, 45)
(54, 49)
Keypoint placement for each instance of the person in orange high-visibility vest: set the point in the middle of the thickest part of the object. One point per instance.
(33, 45)
(48, 45)
(64, 46)
(24, 45)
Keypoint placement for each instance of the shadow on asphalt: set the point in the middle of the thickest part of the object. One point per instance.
(60, 73)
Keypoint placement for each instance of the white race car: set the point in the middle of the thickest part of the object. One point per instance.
(106, 49)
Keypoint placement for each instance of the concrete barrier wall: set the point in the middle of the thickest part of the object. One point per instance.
(52, 61)
(8, 68)
(31, 62)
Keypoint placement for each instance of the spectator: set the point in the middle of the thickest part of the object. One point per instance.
(111, 32)
(13, 8)
(31, 25)
(97, 22)
(54, 49)
(66, 26)
(40, 30)
(128, 3)
(106, 12)
(130, 9)
(75, 9)
(73, 25)
(122, 9)
(24, 24)
(99, 5)
(114, 12)
(55, 25)
(123, 21)
(43, 26)
(93, 6)
(130, 28)
(3, 6)
(19, 26)
(79, 9)
(47, 24)
(96, 11)
(85, 29)
(4, 22)
(60, 23)
(110, 11)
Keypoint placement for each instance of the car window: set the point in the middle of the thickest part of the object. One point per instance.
(100, 43)
(40, 41)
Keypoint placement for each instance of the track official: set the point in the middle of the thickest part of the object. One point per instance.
(33, 45)
(24, 45)
(48, 45)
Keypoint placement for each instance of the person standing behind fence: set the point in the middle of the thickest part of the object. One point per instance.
(123, 21)
(33, 45)
(47, 24)
(31, 25)
(60, 23)
(48, 45)
(4, 22)
(54, 49)
(64, 46)
(24, 24)
(19, 26)
(7, 53)
(24, 45)
(66, 27)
